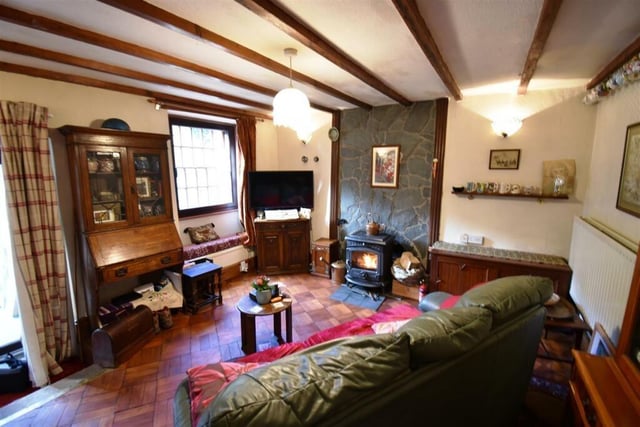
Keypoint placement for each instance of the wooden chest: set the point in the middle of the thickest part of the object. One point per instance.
(118, 341)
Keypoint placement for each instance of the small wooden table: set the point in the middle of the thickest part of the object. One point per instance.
(201, 285)
(563, 316)
(249, 309)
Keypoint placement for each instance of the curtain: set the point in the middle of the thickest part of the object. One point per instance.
(246, 138)
(34, 218)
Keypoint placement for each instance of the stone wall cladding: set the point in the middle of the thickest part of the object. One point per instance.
(403, 211)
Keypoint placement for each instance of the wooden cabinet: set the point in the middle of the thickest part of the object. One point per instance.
(605, 391)
(122, 177)
(282, 246)
(323, 253)
(455, 274)
(455, 271)
(124, 214)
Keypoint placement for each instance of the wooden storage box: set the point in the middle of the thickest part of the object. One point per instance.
(407, 291)
(119, 340)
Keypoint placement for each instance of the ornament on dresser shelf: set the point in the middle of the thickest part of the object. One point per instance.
(92, 164)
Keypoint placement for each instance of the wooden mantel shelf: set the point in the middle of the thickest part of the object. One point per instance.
(540, 197)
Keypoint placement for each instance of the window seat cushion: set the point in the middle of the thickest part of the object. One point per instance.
(197, 250)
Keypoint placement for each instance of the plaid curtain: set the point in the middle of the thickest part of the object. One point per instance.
(246, 138)
(35, 225)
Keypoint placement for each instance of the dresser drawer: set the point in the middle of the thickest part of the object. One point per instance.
(281, 225)
(140, 266)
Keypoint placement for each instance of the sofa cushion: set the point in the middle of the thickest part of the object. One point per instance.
(508, 296)
(443, 334)
(303, 388)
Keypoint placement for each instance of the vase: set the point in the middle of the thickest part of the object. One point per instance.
(263, 297)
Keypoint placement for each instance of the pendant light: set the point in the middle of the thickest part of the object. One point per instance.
(291, 106)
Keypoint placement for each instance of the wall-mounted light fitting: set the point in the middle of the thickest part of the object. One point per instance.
(506, 127)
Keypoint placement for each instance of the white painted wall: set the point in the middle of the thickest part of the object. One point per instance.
(277, 148)
(614, 114)
(280, 149)
(557, 126)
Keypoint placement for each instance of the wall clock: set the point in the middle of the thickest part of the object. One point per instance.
(334, 134)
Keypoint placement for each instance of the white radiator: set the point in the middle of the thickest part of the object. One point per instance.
(602, 262)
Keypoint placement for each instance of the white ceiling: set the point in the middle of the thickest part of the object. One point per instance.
(483, 42)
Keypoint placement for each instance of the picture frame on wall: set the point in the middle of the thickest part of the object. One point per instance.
(629, 187)
(504, 159)
(384, 166)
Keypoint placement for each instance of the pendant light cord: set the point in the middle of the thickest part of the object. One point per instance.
(290, 72)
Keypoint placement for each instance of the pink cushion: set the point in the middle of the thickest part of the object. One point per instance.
(450, 302)
(453, 299)
(207, 381)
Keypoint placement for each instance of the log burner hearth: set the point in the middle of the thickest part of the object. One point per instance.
(369, 262)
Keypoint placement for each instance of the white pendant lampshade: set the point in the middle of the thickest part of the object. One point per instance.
(291, 106)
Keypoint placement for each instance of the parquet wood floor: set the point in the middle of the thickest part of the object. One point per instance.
(140, 391)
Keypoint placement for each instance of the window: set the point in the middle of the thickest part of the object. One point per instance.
(9, 316)
(204, 158)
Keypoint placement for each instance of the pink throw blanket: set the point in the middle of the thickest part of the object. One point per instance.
(352, 328)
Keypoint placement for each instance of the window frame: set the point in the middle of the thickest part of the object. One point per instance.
(231, 129)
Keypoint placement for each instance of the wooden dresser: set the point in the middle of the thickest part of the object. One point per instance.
(605, 391)
(455, 268)
(124, 218)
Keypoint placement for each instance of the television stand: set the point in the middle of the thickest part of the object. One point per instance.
(283, 246)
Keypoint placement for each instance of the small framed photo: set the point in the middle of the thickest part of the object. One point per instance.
(384, 166)
(143, 185)
(504, 159)
(629, 188)
(101, 216)
(600, 344)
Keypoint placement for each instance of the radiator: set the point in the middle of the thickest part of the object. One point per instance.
(602, 261)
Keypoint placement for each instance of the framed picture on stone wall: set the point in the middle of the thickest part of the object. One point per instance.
(384, 166)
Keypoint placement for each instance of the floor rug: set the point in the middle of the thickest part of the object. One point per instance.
(357, 297)
(551, 388)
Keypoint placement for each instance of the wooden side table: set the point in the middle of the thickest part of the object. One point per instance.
(562, 316)
(201, 285)
(249, 309)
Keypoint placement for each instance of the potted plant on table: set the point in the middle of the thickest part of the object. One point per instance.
(263, 290)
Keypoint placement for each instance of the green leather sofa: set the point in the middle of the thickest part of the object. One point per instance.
(469, 365)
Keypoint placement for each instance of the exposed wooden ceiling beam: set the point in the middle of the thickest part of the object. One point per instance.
(170, 102)
(615, 63)
(101, 84)
(273, 13)
(61, 29)
(548, 16)
(22, 49)
(415, 22)
(173, 22)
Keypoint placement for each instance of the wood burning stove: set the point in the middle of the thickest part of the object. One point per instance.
(369, 261)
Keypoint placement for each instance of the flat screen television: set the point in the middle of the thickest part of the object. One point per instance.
(281, 189)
